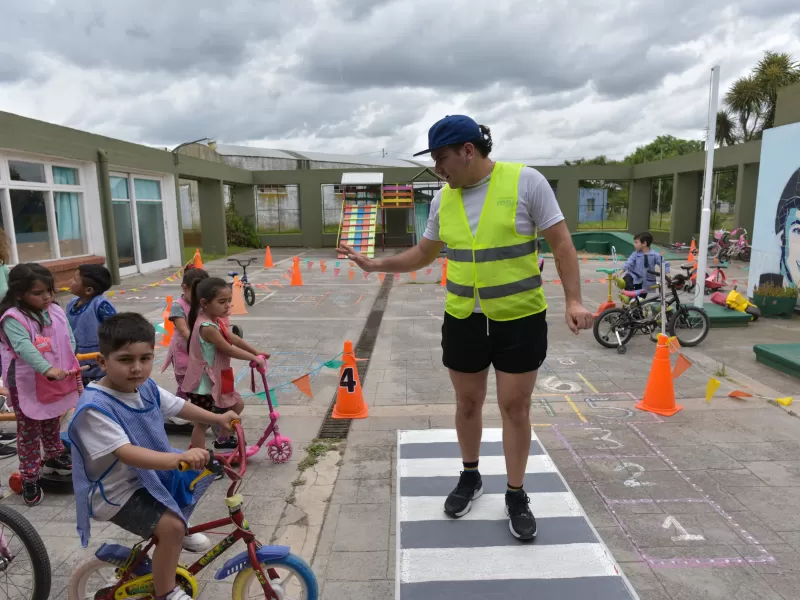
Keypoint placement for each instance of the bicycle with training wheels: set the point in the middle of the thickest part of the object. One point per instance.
(117, 572)
(249, 292)
(615, 327)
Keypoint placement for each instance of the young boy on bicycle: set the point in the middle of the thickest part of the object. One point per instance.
(124, 469)
(640, 265)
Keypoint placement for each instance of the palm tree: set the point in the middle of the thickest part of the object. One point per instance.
(746, 99)
(726, 128)
(774, 71)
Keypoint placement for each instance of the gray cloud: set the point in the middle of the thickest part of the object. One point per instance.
(559, 80)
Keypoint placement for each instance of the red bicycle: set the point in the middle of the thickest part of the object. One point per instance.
(116, 572)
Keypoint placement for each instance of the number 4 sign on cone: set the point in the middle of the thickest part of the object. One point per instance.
(349, 398)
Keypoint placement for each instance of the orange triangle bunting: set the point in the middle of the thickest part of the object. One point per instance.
(304, 385)
(681, 366)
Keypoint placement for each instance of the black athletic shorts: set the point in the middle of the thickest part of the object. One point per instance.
(470, 345)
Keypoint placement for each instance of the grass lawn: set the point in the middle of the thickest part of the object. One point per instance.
(188, 253)
(611, 224)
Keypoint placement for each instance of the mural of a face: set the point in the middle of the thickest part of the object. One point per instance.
(790, 257)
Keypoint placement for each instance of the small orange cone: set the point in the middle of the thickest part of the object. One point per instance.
(444, 273)
(268, 259)
(169, 326)
(198, 262)
(659, 395)
(297, 277)
(237, 304)
(349, 398)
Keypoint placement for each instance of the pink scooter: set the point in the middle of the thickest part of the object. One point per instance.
(279, 448)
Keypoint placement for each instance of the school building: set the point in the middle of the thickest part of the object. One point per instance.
(68, 197)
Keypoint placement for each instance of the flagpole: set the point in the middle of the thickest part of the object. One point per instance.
(705, 215)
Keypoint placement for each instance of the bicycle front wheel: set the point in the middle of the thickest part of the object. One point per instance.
(249, 295)
(24, 563)
(690, 325)
(295, 580)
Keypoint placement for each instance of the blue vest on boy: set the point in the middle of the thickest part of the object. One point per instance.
(144, 428)
(84, 326)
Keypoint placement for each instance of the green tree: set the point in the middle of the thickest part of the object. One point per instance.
(754, 97)
(664, 146)
(726, 128)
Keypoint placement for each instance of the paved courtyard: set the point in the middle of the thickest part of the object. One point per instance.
(704, 504)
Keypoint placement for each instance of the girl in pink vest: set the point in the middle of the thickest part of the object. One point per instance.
(178, 353)
(209, 382)
(38, 349)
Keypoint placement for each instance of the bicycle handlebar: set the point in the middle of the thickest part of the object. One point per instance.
(89, 356)
(236, 260)
(224, 462)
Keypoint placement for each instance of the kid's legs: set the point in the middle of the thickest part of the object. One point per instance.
(170, 532)
(32, 436)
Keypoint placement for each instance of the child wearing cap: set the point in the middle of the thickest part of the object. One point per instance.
(87, 311)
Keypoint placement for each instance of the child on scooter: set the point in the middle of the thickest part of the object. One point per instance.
(125, 469)
(38, 349)
(209, 382)
(87, 311)
(178, 353)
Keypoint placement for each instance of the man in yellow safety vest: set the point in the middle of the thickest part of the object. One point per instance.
(489, 215)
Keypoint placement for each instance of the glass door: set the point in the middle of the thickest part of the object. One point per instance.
(139, 222)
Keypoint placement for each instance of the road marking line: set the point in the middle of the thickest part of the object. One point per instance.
(576, 409)
(589, 385)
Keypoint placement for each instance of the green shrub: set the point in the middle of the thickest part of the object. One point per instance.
(771, 290)
(241, 231)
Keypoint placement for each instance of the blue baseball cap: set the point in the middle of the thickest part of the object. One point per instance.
(453, 129)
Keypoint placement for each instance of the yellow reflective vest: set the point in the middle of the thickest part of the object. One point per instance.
(498, 263)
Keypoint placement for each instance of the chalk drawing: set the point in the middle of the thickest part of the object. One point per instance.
(554, 384)
(606, 437)
(566, 361)
(633, 481)
(615, 412)
(683, 535)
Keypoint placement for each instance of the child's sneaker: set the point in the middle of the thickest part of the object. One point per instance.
(32, 493)
(61, 465)
(196, 542)
(230, 443)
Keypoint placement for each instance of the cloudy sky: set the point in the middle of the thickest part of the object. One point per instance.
(554, 79)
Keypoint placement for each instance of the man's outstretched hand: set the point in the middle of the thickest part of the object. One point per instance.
(578, 317)
(367, 264)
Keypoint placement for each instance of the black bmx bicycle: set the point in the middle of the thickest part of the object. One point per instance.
(614, 327)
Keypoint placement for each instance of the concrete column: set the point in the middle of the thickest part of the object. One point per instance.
(746, 191)
(212, 216)
(685, 206)
(639, 206)
(244, 200)
(567, 196)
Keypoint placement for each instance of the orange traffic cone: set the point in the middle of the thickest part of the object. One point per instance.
(268, 259)
(198, 262)
(297, 277)
(444, 273)
(169, 326)
(237, 303)
(659, 395)
(349, 398)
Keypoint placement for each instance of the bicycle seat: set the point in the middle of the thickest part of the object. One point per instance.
(633, 293)
(232, 273)
(606, 271)
(687, 266)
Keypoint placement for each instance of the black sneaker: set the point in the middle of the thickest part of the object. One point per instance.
(32, 493)
(229, 444)
(7, 437)
(469, 488)
(7, 451)
(521, 521)
(61, 465)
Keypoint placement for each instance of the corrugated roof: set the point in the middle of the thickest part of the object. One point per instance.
(352, 159)
(362, 178)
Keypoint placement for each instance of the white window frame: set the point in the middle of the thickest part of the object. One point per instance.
(141, 267)
(48, 188)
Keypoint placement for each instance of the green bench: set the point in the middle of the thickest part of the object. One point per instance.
(782, 357)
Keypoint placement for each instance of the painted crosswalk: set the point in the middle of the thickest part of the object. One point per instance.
(476, 557)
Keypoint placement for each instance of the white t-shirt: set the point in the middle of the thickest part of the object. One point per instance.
(537, 207)
(99, 436)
